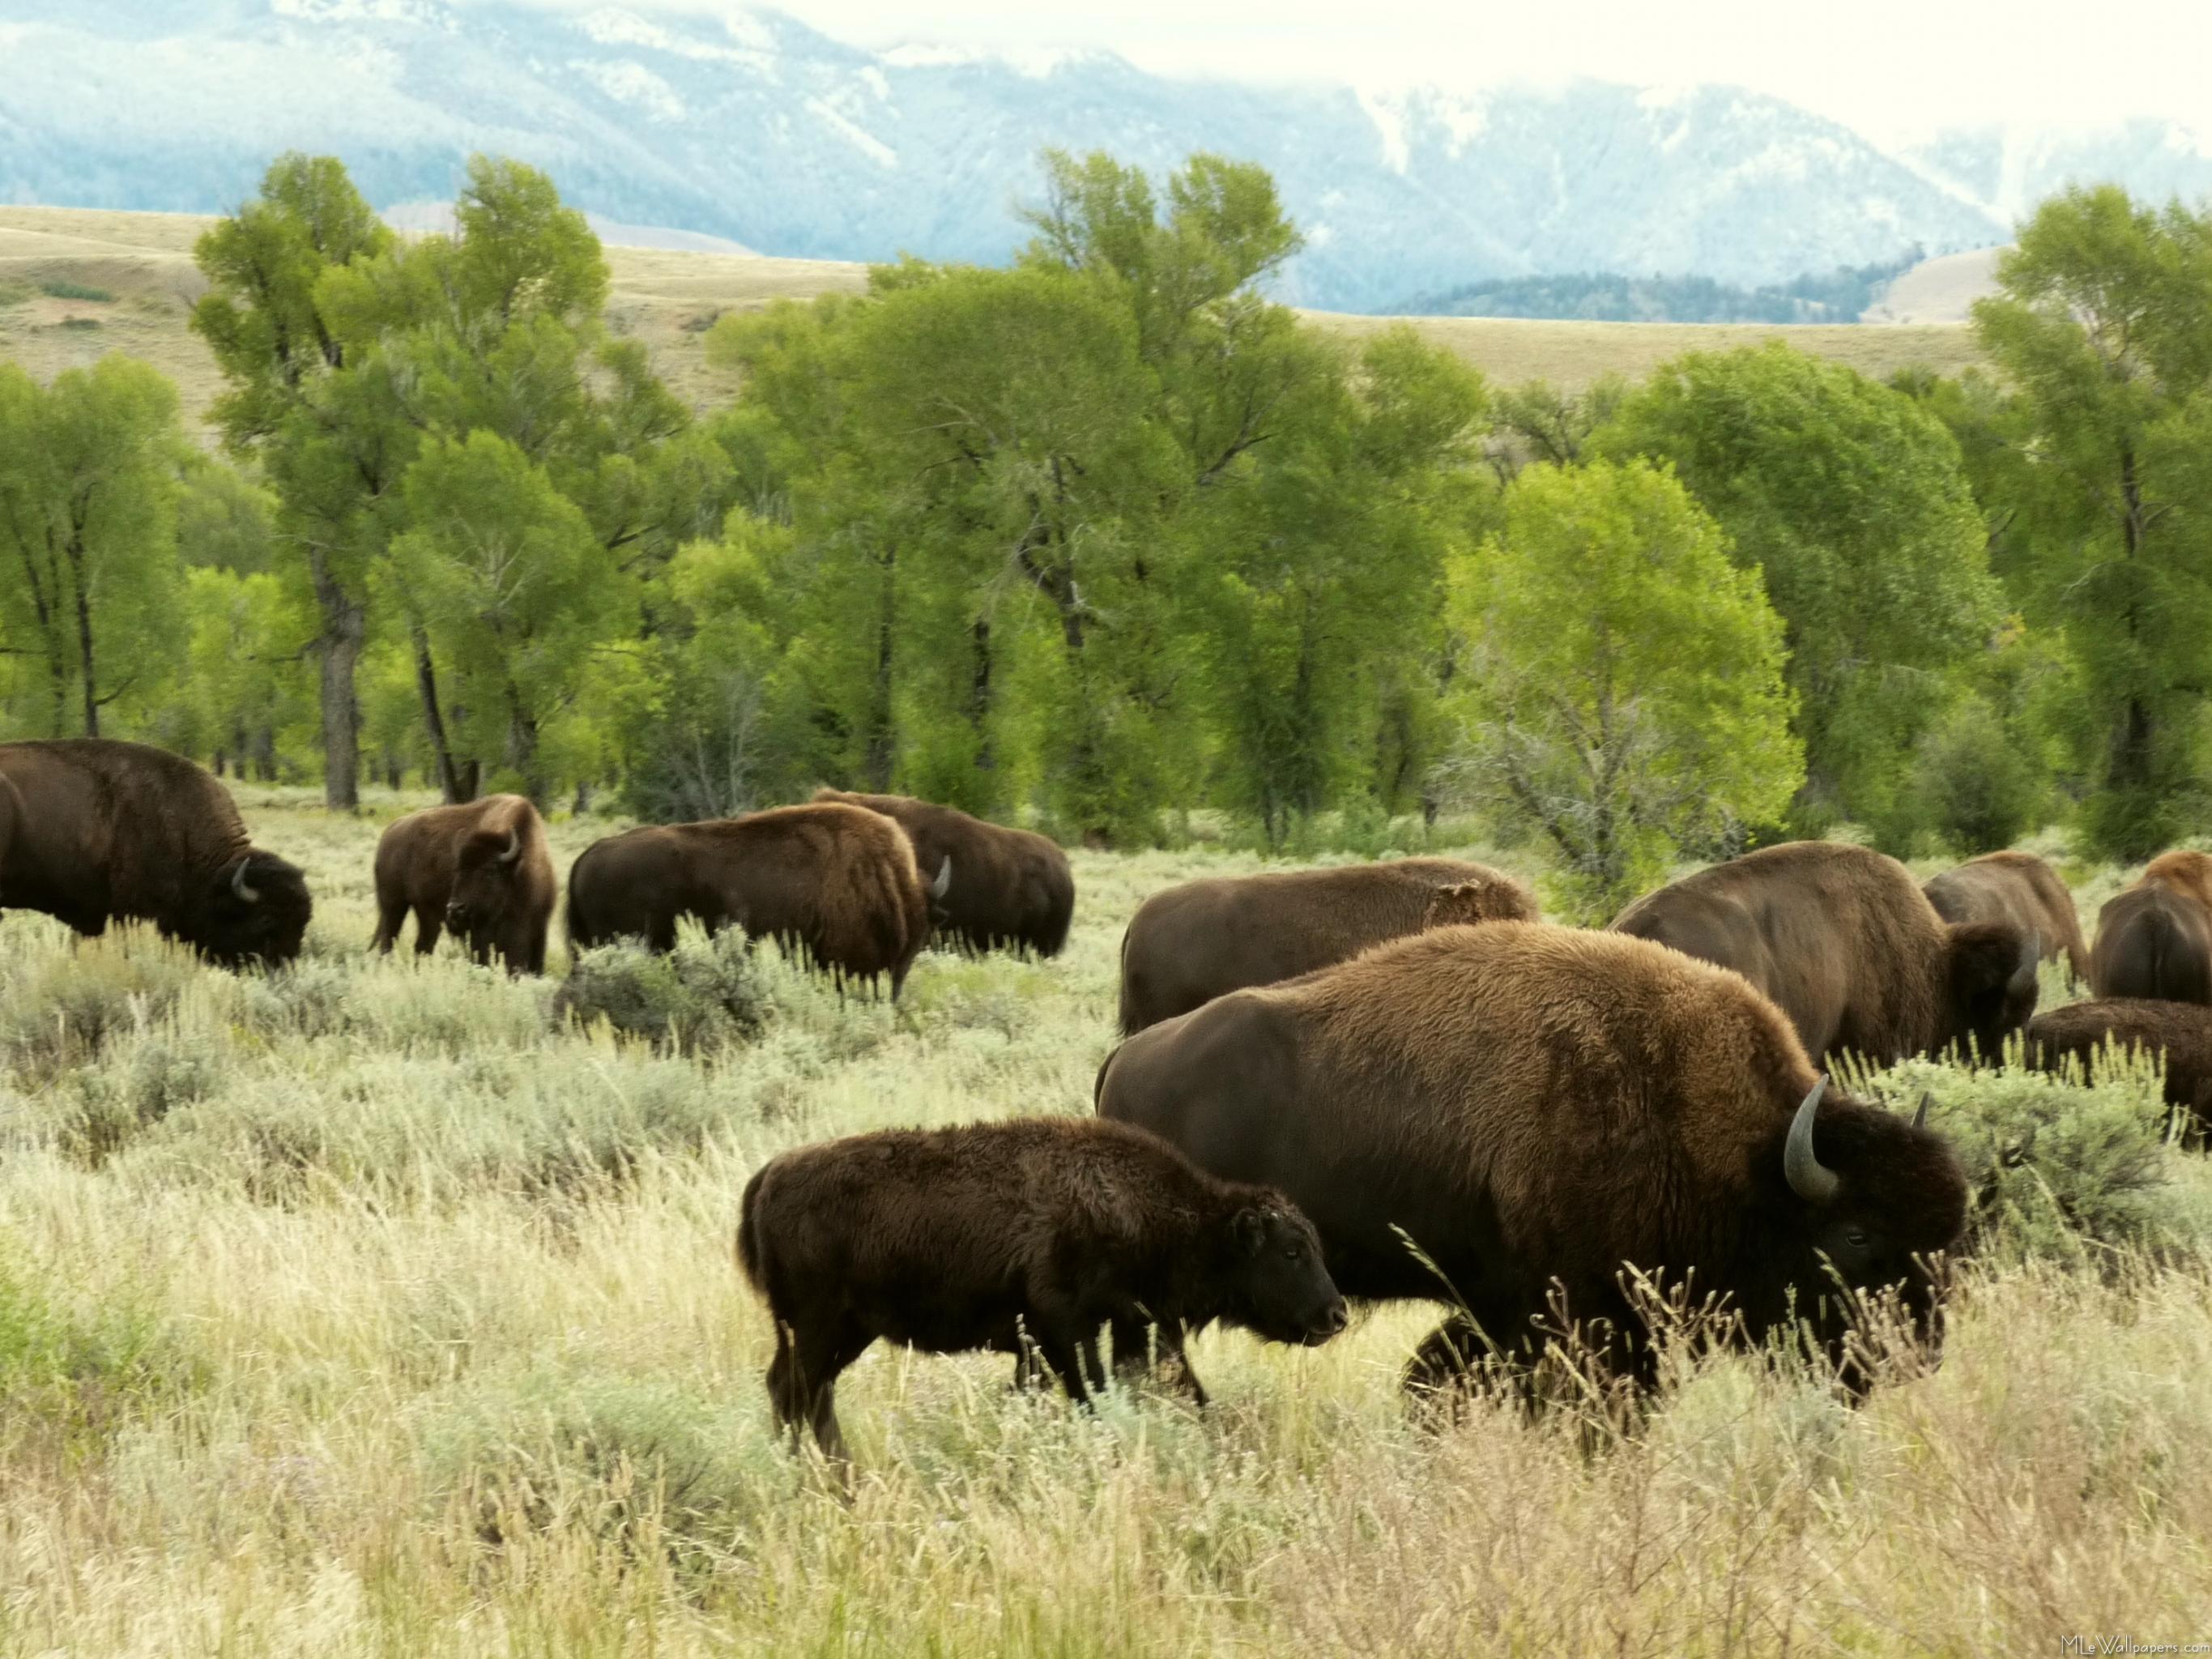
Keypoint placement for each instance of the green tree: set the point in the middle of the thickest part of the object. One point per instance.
(1623, 685)
(88, 572)
(2099, 484)
(1849, 498)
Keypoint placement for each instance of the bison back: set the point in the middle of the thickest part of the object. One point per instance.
(2152, 943)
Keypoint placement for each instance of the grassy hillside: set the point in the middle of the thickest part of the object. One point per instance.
(54, 260)
(363, 1310)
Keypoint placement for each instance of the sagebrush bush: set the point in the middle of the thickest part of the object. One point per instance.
(708, 993)
(59, 1004)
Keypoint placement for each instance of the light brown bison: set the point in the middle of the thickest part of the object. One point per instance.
(2179, 1033)
(2155, 940)
(839, 882)
(1844, 941)
(1003, 889)
(105, 830)
(482, 869)
(1193, 943)
(994, 1235)
(1483, 1114)
(2019, 887)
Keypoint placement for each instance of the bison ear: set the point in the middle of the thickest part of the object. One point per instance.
(1251, 1230)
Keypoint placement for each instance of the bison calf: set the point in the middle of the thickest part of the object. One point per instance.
(995, 1235)
(482, 869)
(2179, 1032)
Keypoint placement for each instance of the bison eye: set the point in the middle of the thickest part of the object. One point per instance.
(1855, 1238)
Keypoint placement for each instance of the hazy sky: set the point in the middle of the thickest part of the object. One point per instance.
(1893, 67)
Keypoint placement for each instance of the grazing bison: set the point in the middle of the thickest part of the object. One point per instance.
(1190, 944)
(482, 869)
(1014, 889)
(1530, 1106)
(2154, 940)
(993, 1234)
(104, 829)
(837, 881)
(1848, 946)
(2179, 1032)
(2019, 887)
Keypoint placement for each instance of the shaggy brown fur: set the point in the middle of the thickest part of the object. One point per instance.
(2180, 1032)
(1009, 889)
(838, 881)
(1190, 944)
(2019, 887)
(1531, 1104)
(2154, 940)
(109, 829)
(1846, 942)
(988, 1236)
(482, 869)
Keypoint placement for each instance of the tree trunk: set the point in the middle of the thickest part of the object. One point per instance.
(450, 785)
(876, 760)
(978, 695)
(264, 755)
(345, 628)
(522, 746)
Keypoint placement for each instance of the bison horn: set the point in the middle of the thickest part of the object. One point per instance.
(1810, 1179)
(1920, 1118)
(239, 886)
(513, 846)
(943, 884)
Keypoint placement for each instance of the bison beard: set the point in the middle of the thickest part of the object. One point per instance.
(103, 829)
(1008, 1236)
(1509, 1115)
(1014, 889)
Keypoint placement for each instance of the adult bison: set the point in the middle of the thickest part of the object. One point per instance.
(482, 869)
(1843, 939)
(837, 881)
(1503, 1114)
(1190, 944)
(2019, 887)
(2155, 940)
(2180, 1034)
(1010, 889)
(105, 830)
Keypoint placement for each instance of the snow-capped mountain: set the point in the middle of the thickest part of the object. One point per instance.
(758, 129)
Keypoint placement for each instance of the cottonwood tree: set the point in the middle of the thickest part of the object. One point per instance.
(1622, 689)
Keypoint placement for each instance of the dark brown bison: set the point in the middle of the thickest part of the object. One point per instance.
(2154, 940)
(994, 1235)
(1846, 942)
(1480, 1114)
(105, 830)
(839, 882)
(1005, 888)
(482, 870)
(1190, 944)
(2019, 887)
(2179, 1032)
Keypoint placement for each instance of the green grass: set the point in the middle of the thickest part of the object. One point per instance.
(381, 1307)
(60, 288)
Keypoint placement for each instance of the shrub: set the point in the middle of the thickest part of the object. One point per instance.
(708, 993)
(60, 288)
(1974, 785)
(58, 1007)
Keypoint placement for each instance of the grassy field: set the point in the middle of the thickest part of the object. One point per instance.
(142, 262)
(363, 1310)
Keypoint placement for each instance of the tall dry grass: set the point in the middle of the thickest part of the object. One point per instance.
(374, 1308)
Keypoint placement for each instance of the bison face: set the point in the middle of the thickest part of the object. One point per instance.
(483, 882)
(1287, 1295)
(256, 912)
(1992, 983)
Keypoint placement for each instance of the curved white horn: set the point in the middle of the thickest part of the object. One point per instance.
(238, 884)
(1810, 1179)
(944, 881)
(1920, 1118)
(513, 846)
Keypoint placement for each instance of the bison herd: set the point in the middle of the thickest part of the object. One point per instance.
(1382, 1081)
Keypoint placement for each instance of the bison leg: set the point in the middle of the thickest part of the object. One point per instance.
(391, 916)
(819, 1355)
(428, 924)
(1137, 1352)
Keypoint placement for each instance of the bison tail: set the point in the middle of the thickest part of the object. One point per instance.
(748, 1251)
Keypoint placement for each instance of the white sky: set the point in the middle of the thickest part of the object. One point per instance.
(1894, 69)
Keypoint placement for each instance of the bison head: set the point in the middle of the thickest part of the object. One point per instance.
(255, 911)
(1280, 1286)
(1868, 1202)
(1992, 983)
(485, 878)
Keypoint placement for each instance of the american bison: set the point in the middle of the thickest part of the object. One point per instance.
(1484, 1113)
(106, 829)
(482, 869)
(1193, 943)
(1011, 888)
(2019, 887)
(2155, 940)
(994, 1235)
(837, 881)
(1846, 942)
(2180, 1033)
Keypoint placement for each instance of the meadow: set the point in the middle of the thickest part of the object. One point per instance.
(370, 1308)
